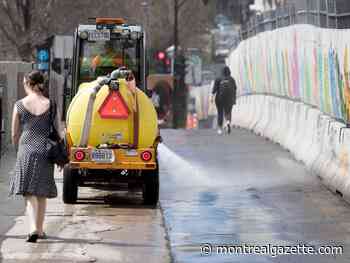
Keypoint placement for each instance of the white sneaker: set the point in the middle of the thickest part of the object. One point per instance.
(228, 127)
(219, 131)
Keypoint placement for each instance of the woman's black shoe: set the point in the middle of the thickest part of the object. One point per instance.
(43, 236)
(32, 238)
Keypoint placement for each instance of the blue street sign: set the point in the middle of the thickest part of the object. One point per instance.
(43, 66)
(43, 55)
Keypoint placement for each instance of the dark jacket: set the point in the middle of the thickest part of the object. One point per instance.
(225, 90)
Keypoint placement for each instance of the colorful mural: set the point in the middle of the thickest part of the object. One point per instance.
(301, 62)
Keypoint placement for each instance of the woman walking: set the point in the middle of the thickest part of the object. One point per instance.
(224, 91)
(34, 176)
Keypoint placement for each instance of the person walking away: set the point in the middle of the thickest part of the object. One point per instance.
(224, 91)
(34, 173)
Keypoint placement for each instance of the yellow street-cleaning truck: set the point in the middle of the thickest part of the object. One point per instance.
(112, 133)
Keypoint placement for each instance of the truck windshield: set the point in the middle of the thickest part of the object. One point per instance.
(98, 58)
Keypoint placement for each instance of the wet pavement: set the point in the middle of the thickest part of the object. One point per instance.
(103, 227)
(217, 190)
(244, 190)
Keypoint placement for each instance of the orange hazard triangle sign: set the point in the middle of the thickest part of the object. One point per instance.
(114, 107)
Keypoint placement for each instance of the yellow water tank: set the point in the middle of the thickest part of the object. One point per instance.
(139, 127)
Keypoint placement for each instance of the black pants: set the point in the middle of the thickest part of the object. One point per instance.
(223, 108)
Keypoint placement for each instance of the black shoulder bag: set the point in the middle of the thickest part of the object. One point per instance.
(56, 148)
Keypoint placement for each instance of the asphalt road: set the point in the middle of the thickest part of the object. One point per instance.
(243, 190)
(225, 191)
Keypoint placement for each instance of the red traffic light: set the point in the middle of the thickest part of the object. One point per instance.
(160, 55)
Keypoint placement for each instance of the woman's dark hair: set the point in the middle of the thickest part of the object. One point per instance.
(226, 71)
(36, 80)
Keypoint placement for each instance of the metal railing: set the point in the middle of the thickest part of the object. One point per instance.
(321, 13)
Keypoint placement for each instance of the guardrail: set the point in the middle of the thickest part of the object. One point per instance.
(322, 13)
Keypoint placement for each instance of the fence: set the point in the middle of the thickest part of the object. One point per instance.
(321, 13)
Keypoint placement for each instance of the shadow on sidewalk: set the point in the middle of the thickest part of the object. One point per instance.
(116, 200)
(56, 240)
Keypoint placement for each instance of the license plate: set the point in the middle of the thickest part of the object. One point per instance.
(131, 153)
(99, 35)
(102, 156)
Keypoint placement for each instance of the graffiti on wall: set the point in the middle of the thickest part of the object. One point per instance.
(301, 62)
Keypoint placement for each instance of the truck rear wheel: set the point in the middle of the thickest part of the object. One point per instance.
(70, 185)
(151, 187)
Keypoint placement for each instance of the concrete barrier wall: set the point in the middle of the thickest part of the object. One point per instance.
(11, 89)
(319, 141)
(294, 88)
(301, 62)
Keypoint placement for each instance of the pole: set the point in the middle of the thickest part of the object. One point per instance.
(146, 7)
(319, 13)
(180, 92)
(327, 10)
(176, 99)
(176, 35)
(336, 14)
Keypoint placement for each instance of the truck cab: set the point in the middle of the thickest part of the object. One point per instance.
(102, 47)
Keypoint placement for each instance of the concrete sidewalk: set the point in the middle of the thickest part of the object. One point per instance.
(103, 227)
(10, 209)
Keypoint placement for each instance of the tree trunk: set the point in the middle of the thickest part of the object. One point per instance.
(25, 52)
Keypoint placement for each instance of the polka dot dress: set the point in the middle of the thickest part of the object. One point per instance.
(34, 173)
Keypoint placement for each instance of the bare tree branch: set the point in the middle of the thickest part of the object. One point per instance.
(5, 4)
(181, 3)
(38, 19)
(26, 7)
(8, 35)
(11, 17)
(18, 4)
(45, 18)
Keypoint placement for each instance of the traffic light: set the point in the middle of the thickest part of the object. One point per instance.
(167, 62)
(161, 55)
(161, 62)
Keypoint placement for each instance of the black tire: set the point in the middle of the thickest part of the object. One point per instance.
(70, 185)
(151, 187)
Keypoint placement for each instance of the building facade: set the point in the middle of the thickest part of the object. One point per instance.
(237, 11)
